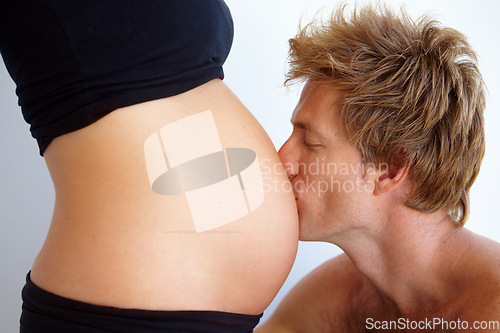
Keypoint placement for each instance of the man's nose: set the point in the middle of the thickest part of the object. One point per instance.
(289, 159)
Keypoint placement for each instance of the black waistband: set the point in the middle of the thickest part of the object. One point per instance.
(47, 312)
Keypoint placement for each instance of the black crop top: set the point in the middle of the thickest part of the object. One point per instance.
(74, 61)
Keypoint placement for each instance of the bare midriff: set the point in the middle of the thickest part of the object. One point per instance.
(115, 242)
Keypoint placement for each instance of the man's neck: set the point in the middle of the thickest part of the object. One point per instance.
(404, 257)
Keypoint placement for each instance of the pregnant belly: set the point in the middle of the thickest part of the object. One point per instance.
(174, 204)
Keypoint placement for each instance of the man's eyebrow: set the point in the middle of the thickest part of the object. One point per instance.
(307, 127)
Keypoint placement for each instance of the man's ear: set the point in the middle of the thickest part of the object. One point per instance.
(392, 175)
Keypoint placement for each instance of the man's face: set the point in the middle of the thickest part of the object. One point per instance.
(329, 179)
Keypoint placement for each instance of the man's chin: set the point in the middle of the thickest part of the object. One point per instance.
(307, 238)
(304, 230)
(308, 230)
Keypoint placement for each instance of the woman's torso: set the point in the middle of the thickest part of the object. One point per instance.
(114, 241)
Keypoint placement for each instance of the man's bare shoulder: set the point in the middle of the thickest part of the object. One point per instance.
(327, 299)
(482, 274)
(481, 261)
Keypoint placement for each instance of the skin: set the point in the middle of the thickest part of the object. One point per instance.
(398, 262)
(115, 242)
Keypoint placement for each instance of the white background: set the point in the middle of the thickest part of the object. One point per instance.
(255, 71)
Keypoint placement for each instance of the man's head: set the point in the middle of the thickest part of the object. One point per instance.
(408, 95)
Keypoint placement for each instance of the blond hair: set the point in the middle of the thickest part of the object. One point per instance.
(411, 87)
